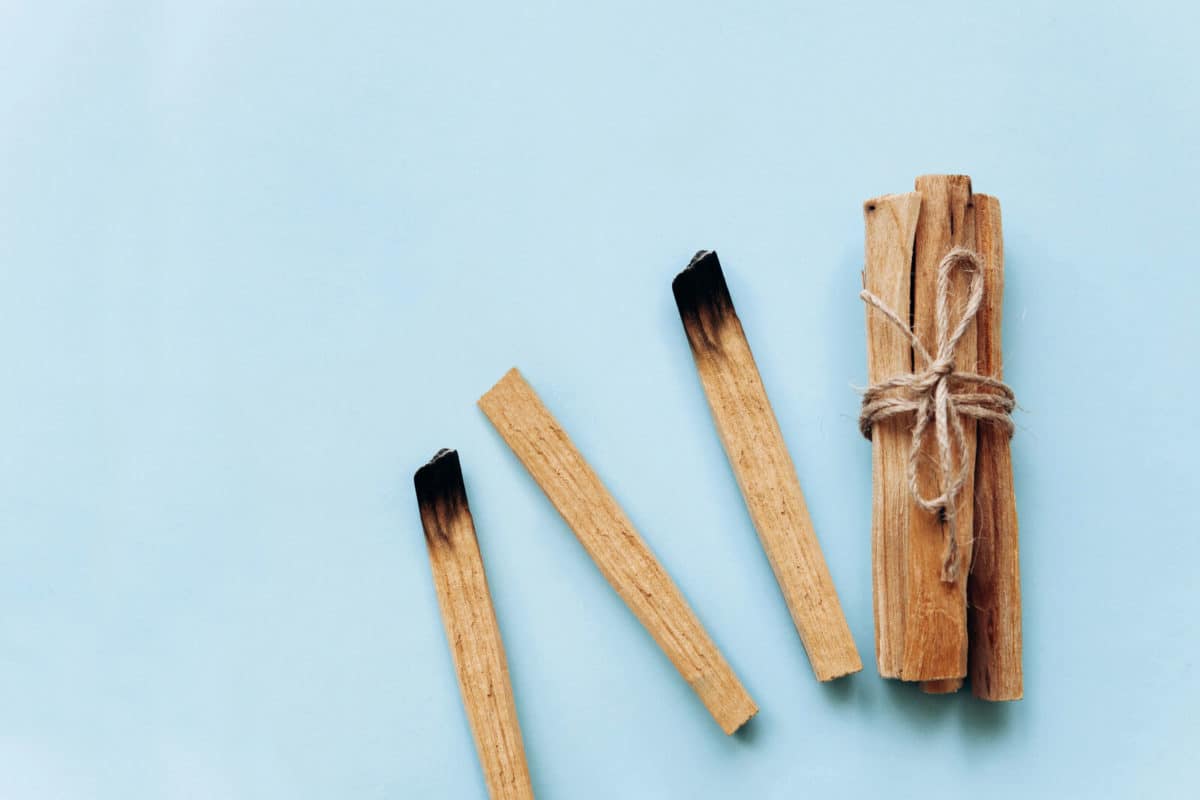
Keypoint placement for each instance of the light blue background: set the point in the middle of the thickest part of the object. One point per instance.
(258, 260)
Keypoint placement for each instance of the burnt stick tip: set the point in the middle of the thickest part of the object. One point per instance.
(701, 285)
(439, 483)
(702, 297)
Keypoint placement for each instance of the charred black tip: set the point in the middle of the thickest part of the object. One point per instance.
(701, 285)
(440, 487)
(702, 295)
(441, 479)
(696, 284)
(703, 255)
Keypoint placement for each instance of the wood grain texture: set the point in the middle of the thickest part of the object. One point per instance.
(753, 442)
(891, 227)
(994, 586)
(471, 627)
(935, 631)
(618, 550)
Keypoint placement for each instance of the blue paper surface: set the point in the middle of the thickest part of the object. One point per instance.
(259, 259)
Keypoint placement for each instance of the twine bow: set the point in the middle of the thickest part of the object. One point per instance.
(942, 395)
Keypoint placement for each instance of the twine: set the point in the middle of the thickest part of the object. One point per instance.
(941, 395)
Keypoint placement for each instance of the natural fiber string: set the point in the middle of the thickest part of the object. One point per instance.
(942, 396)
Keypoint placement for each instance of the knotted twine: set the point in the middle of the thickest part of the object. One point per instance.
(940, 395)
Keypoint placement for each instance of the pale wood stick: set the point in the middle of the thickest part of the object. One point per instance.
(754, 444)
(471, 627)
(891, 226)
(994, 588)
(618, 550)
(935, 630)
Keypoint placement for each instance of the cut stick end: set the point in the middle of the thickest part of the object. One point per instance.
(735, 723)
(441, 493)
(888, 201)
(829, 675)
(513, 376)
(990, 200)
(948, 178)
(944, 686)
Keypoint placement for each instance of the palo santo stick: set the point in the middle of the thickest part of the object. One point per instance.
(891, 227)
(610, 539)
(994, 587)
(935, 630)
(471, 627)
(754, 444)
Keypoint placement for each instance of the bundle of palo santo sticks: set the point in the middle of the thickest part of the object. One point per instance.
(945, 571)
(944, 528)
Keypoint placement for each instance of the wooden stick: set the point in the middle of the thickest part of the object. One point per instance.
(891, 227)
(471, 627)
(935, 630)
(610, 539)
(754, 444)
(994, 588)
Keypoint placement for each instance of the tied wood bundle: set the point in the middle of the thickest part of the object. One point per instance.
(946, 578)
